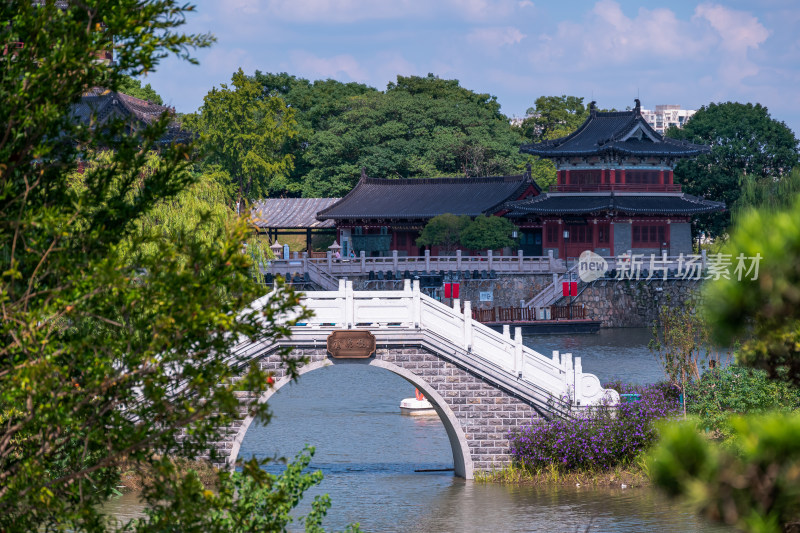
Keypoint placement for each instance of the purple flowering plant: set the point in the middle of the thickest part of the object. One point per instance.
(596, 439)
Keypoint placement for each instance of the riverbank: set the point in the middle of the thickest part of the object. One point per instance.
(624, 476)
(134, 476)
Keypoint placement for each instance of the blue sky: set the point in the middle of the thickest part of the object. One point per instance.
(680, 52)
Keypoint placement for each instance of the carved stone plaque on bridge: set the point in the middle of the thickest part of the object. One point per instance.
(351, 344)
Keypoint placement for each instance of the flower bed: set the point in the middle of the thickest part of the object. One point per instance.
(599, 439)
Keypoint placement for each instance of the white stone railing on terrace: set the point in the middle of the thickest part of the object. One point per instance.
(501, 264)
(408, 317)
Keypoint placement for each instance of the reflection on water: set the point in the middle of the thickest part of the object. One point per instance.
(369, 452)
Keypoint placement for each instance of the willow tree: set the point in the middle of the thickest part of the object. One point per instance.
(108, 355)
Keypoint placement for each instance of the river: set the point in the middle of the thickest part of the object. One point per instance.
(369, 452)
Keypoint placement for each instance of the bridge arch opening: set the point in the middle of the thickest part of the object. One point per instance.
(462, 460)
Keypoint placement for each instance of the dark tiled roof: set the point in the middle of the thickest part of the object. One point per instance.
(426, 198)
(631, 204)
(291, 212)
(606, 132)
(107, 105)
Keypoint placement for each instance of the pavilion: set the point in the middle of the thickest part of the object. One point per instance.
(614, 190)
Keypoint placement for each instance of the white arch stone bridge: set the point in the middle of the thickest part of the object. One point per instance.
(482, 383)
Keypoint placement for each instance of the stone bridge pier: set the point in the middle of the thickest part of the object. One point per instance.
(476, 415)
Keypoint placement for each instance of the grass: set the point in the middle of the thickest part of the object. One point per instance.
(633, 474)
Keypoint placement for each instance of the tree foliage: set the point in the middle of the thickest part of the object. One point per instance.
(756, 487)
(245, 133)
(488, 233)
(722, 393)
(745, 141)
(133, 87)
(551, 117)
(769, 195)
(420, 127)
(315, 104)
(115, 340)
(444, 231)
(681, 343)
(768, 307)
(250, 500)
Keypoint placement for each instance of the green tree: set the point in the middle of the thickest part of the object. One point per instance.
(419, 127)
(551, 117)
(758, 488)
(766, 194)
(488, 233)
(106, 355)
(315, 104)
(681, 342)
(754, 484)
(443, 230)
(244, 132)
(766, 307)
(745, 141)
(133, 87)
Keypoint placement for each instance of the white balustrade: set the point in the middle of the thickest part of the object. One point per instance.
(409, 316)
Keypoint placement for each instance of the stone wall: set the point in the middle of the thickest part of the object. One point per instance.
(632, 303)
(506, 290)
(622, 237)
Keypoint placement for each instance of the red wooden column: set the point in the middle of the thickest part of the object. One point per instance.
(670, 177)
(612, 178)
(622, 173)
(566, 177)
(661, 177)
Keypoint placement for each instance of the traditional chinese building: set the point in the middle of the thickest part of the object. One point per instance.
(99, 106)
(614, 190)
(380, 215)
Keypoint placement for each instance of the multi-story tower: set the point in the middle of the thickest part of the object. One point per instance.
(615, 190)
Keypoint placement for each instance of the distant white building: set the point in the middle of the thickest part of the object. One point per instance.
(667, 115)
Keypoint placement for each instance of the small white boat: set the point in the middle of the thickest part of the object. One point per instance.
(416, 406)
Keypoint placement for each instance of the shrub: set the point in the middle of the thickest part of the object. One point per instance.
(720, 393)
(598, 439)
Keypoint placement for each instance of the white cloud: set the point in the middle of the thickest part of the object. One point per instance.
(738, 33)
(495, 37)
(737, 29)
(316, 67)
(715, 36)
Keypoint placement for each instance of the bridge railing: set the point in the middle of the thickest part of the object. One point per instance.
(361, 265)
(411, 314)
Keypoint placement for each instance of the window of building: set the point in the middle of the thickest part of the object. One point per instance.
(649, 177)
(585, 177)
(603, 233)
(552, 234)
(580, 233)
(648, 236)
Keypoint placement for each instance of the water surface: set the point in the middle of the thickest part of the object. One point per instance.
(369, 452)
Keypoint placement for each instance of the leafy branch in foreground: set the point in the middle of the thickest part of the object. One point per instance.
(115, 329)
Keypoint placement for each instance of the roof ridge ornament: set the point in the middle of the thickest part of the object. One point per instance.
(593, 108)
(638, 107)
(363, 173)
